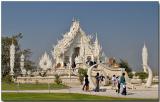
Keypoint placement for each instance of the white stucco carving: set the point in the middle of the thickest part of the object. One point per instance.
(92, 85)
(76, 43)
(23, 70)
(144, 58)
(12, 58)
(146, 66)
(150, 77)
(45, 62)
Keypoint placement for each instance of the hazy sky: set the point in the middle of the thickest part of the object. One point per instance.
(122, 27)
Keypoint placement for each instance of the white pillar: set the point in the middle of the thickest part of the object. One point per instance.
(12, 58)
(145, 58)
(70, 60)
(70, 65)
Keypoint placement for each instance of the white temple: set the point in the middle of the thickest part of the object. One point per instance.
(76, 47)
(75, 50)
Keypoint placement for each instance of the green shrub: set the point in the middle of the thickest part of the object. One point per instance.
(82, 72)
(7, 79)
(130, 75)
(142, 75)
(57, 79)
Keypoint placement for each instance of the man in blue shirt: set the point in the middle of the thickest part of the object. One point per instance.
(123, 84)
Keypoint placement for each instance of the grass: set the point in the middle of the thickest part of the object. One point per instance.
(14, 86)
(57, 96)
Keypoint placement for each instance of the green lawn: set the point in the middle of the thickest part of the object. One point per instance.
(13, 86)
(57, 96)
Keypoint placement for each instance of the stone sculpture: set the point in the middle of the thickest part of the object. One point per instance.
(12, 58)
(45, 62)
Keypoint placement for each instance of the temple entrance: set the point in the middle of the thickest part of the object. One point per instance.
(76, 51)
(75, 54)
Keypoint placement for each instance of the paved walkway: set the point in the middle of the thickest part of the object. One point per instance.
(151, 93)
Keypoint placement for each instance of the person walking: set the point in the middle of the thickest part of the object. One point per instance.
(86, 84)
(123, 84)
(97, 82)
(118, 84)
(113, 82)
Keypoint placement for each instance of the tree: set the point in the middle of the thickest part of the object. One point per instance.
(124, 64)
(82, 72)
(29, 65)
(5, 45)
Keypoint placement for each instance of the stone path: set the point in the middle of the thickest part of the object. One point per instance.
(151, 93)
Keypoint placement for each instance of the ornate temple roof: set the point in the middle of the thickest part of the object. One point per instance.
(68, 38)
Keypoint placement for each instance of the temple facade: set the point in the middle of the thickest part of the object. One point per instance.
(76, 47)
(75, 50)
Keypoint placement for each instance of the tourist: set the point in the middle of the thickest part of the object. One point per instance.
(86, 84)
(102, 77)
(113, 82)
(97, 82)
(118, 84)
(123, 84)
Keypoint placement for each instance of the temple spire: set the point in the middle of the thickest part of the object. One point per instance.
(75, 19)
(144, 57)
(97, 42)
(144, 44)
(97, 48)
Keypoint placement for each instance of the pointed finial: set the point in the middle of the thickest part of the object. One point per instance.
(22, 56)
(144, 45)
(73, 19)
(96, 37)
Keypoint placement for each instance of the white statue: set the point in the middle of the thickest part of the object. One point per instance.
(22, 65)
(45, 62)
(150, 77)
(146, 66)
(92, 85)
(144, 58)
(12, 58)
